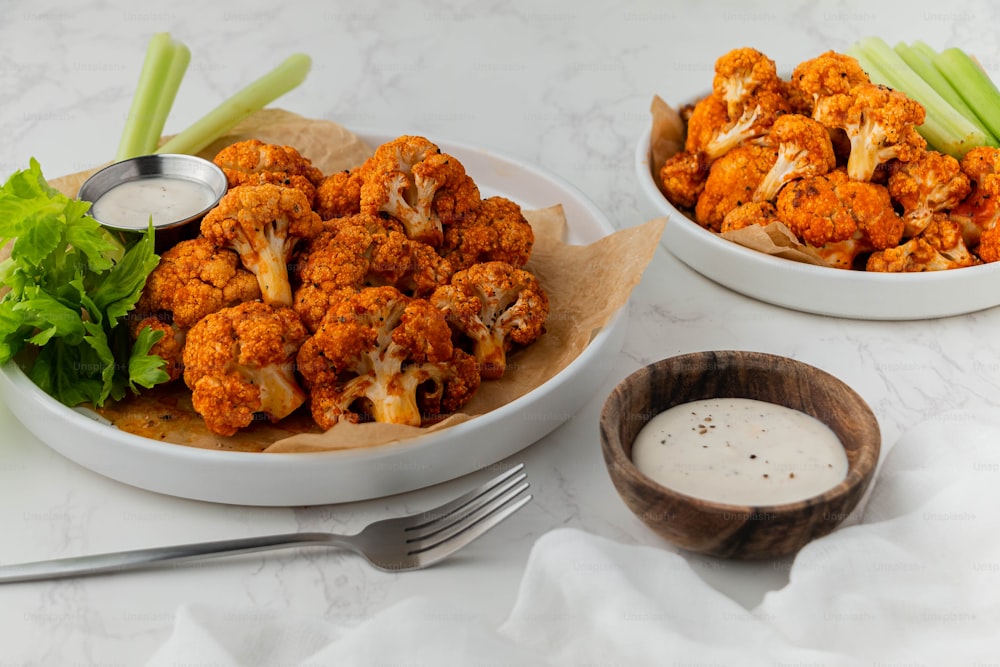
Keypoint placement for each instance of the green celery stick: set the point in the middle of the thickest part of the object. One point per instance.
(920, 62)
(151, 86)
(180, 57)
(944, 128)
(973, 84)
(243, 103)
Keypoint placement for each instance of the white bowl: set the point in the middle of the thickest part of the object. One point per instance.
(816, 289)
(293, 479)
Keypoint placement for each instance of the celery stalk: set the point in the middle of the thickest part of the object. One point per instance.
(920, 57)
(944, 129)
(243, 103)
(181, 56)
(973, 84)
(155, 82)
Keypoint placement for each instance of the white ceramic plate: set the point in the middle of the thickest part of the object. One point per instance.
(342, 476)
(816, 289)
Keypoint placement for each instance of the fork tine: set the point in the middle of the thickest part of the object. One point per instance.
(460, 523)
(471, 531)
(445, 511)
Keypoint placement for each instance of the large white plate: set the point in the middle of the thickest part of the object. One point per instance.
(816, 289)
(342, 476)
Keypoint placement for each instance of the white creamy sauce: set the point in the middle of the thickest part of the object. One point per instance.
(167, 199)
(740, 451)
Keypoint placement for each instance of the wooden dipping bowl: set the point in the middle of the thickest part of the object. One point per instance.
(727, 530)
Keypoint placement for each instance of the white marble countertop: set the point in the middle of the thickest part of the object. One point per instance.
(561, 84)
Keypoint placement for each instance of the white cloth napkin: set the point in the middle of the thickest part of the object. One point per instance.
(915, 581)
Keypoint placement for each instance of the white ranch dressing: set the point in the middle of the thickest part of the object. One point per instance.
(740, 451)
(168, 199)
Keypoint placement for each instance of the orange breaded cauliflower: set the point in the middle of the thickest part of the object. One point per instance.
(760, 213)
(939, 247)
(192, 279)
(740, 75)
(494, 306)
(881, 124)
(253, 162)
(496, 230)
(363, 251)
(339, 195)
(411, 180)
(930, 184)
(713, 133)
(827, 74)
(263, 224)
(839, 218)
(381, 355)
(804, 149)
(238, 363)
(682, 178)
(979, 213)
(732, 180)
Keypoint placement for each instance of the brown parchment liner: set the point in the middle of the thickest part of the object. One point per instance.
(666, 138)
(586, 285)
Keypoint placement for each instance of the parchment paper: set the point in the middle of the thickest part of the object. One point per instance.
(586, 286)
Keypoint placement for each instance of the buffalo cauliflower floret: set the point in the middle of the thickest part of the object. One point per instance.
(930, 184)
(239, 362)
(263, 224)
(339, 195)
(804, 149)
(945, 236)
(495, 231)
(362, 251)
(411, 180)
(979, 213)
(751, 213)
(839, 218)
(881, 124)
(682, 178)
(707, 116)
(713, 133)
(382, 355)
(732, 180)
(253, 162)
(495, 306)
(740, 75)
(192, 279)
(827, 74)
(939, 247)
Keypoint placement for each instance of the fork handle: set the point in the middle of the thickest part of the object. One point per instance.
(121, 561)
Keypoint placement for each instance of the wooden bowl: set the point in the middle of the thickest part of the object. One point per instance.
(727, 530)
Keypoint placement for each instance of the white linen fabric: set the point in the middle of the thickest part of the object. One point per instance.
(916, 580)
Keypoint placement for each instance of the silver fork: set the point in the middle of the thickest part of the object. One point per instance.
(404, 543)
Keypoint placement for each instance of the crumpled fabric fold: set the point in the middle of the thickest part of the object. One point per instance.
(915, 581)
